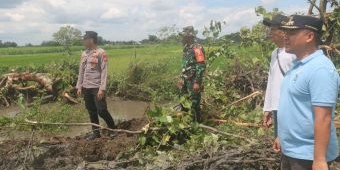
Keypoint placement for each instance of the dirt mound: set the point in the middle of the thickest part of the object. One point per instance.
(64, 153)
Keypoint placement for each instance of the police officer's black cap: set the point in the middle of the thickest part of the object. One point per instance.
(275, 21)
(90, 34)
(303, 22)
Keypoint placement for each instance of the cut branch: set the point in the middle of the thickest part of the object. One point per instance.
(24, 88)
(144, 129)
(236, 123)
(3, 81)
(83, 124)
(331, 47)
(71, 99)
(6, 101)
(223, 133)
(245, 98)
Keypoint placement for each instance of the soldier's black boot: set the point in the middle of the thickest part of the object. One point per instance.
(181, 108)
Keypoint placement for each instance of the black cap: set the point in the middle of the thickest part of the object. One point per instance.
(90, 34)
(303, 22)
(275, 21)
(188, 31)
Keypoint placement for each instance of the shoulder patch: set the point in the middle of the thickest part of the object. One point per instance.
(199, 54)
(104, 56)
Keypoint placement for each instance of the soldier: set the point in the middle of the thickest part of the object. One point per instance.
(193, 67)
(92, 83)
(280, 62)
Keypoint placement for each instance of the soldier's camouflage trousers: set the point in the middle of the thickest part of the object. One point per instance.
(195, 98)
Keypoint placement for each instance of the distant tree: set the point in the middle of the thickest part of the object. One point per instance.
(144, 41)
(212, 32)
(232, 37)
(153, 39)
(169, 34)
(29, 45)
(49, 43)
(67, 36)
(102, 41)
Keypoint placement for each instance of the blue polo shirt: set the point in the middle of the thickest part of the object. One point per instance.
(312, 81)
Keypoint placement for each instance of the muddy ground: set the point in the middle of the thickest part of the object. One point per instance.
(66, 153)
(69, 150)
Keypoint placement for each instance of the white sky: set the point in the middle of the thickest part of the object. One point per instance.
(32, 21)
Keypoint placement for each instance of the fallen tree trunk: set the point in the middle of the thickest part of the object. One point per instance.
(13, 82)
(41, 78)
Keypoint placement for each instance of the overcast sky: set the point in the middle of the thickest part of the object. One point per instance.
(32, 21)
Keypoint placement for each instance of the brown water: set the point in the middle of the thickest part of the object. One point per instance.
(121, 110)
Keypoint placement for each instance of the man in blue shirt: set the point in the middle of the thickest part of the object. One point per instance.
(309, 91)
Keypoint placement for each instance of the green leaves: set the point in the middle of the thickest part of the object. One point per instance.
(68, 36)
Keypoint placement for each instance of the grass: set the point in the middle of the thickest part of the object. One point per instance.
(29, 59)
(119, 57)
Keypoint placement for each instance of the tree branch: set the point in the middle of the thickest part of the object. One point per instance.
(223, 133)
(71, 99)
(3, 80)
(236, 123)
(245, 98)
(313, 4)
(83, 124)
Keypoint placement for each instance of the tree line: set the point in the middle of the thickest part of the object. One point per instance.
(7, 44)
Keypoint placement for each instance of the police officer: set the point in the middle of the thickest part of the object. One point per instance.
(92, 83)
(193, 67)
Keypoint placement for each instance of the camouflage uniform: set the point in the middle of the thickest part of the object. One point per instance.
(92, 78)
(193, 67)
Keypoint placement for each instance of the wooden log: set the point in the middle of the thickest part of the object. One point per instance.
(41, 78)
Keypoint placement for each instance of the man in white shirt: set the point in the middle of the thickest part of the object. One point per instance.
(279, 64)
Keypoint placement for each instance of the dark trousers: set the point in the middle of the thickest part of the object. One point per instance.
(274, 112)
(288, 163)
(97, 107)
